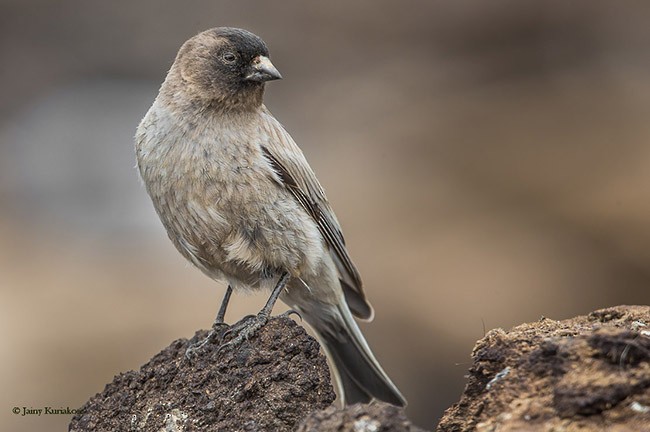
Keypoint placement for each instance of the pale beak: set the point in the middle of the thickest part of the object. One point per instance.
(261, 70)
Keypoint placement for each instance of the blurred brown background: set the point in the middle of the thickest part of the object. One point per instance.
(489, 162)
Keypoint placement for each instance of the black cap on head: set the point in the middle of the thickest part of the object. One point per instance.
(247, 43)
(226, 65)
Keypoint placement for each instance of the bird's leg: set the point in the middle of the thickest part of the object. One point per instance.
(221, 315)
(218, 322)
(248, 328)
(265, 313)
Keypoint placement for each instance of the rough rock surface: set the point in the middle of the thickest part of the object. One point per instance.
(589, 373)
(376, 417)
(268, 383)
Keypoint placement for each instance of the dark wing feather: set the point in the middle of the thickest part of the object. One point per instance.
(291, 167)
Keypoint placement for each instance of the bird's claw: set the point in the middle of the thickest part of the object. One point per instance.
(241, 323)
(244, 329)
(193, 348)
(217, 328)
(290, 312)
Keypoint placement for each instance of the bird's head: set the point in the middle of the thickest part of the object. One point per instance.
(226, 67)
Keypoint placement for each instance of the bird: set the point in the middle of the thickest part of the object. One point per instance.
(239, 200)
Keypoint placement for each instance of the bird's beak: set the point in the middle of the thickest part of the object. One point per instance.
(261, 69)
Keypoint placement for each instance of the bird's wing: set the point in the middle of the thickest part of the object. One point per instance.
(295, 174)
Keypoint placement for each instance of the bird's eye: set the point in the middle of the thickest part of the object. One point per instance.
(229, 57)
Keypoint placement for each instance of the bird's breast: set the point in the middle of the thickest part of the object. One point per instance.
(217, 197)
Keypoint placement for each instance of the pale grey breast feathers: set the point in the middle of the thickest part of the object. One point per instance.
(218, 198)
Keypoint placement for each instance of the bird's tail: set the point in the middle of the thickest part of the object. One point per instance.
(358, 373)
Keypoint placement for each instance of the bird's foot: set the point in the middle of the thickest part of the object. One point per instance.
(248, 326)
(244, 329)
(217, 329)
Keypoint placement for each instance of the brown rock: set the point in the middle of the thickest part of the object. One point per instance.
(376, 417)
(590, 373)
(270, 382)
